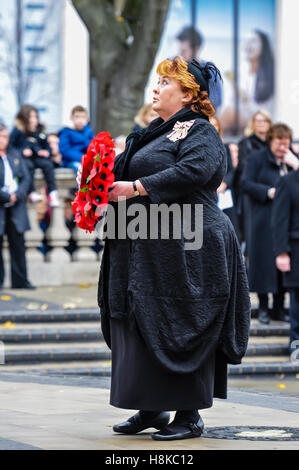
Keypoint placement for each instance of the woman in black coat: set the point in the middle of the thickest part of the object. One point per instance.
(285, 228)
(261, 175)
(173, 313)
(255, 140)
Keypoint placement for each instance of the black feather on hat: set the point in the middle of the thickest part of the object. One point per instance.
(203, 73)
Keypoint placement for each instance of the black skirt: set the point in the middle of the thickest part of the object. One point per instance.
(139, 382)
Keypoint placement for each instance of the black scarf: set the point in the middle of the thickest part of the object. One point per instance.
(138, 139)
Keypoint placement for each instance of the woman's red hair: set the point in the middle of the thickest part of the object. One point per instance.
(178, 70)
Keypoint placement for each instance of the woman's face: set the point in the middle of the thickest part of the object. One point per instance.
(168, 97)
(33, 121)
(261, 124)
(253, 47)
(280, 147)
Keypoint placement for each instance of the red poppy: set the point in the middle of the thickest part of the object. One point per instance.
(97, 177)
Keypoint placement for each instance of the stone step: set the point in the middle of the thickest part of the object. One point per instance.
(275, 349)
(276, 328)
(57, 353)
(103, 368)
(66, 315)
(53, 332)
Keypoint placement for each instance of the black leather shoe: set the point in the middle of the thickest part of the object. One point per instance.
(136, 424)
(180, 431)
(263, 317)
(28, 285)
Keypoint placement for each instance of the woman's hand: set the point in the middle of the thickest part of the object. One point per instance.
(283, 262)
(124, 189)
(27, 153)
(222, 187)
(271, 193)
(291, 160)
(43, 153)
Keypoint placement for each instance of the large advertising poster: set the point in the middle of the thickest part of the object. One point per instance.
(30, 58)
(238, 36)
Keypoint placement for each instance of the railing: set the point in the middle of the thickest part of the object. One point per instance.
(57, 266)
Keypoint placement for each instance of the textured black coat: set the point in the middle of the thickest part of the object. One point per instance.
(186, 303)
(18, 210)
(285, 224)
(261, 173)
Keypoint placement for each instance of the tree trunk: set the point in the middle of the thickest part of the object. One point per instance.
(120, 66)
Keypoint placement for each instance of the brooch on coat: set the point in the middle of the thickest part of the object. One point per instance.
(180, 130)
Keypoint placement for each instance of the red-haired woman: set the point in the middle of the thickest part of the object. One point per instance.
(173, 316)
(28, 137)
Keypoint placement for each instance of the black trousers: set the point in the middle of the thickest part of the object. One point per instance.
(47, 168)
(17, 254)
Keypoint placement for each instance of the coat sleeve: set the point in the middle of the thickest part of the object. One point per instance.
(24, 182)
(255, 189)
(230, 174)
(200, 155)
(4, 197)
(17, 139)
(281, 215)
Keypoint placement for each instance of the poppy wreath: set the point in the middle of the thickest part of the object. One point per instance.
(97, 165)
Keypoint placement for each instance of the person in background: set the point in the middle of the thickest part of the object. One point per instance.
(285, 228)
(228, 180)
(74, 140)
(14, 185)
(255, 140)
(29, 138)
(189, 44)
(144, 117)
(262, 174)
(120, 144)
(53, 141)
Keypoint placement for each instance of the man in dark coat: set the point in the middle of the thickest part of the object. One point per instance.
(261, 175)
(14, 185)
(285, 228)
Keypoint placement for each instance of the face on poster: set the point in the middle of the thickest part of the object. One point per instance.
(248, 88)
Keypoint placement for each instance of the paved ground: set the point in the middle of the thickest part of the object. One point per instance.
(63, 413)
(48, 412)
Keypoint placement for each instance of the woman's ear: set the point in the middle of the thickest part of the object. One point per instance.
(187, 98)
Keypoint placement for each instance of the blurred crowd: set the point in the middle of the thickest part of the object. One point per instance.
(258, 181)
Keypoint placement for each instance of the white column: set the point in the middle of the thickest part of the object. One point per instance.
(287, 64)
(75, 62)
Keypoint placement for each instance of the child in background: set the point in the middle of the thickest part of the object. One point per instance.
(74, 141)
(29, 138)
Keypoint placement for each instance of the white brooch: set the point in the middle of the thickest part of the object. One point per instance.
(180, 130)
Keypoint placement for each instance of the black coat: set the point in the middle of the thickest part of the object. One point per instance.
(247, 146)
(35, 141)
(185, 302)
(261, 173)
(285, 224)
(18, 210)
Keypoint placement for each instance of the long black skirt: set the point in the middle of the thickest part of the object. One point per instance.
(138, 382)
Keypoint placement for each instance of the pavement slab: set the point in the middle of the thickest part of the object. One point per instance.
(65, 415)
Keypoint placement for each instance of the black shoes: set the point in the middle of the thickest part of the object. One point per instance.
(176, 431)
(263, 317)
(136, 424)
(28, 285)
